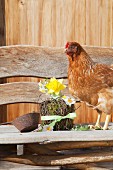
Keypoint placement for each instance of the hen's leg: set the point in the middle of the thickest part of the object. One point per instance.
(97, 125)
(107, 122)
(98, 119)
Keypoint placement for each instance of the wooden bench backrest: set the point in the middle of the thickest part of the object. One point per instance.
(40, 62)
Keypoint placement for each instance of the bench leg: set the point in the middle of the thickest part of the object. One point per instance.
(20, 149)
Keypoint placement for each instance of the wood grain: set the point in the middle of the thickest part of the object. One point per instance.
(59, 146)
(31, 19)
(22, 92)
(98, 22)
(47, 137)
(32, 61)
(40, 149)
(88, 22)
(10, 165)
(61, 159)
(50, 143)
(3, 108)
(43, 62)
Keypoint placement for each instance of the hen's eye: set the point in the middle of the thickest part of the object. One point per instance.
(72, 46)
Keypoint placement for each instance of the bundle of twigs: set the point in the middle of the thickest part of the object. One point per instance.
(57, 107)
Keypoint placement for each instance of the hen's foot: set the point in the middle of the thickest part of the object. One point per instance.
(95, 127)
(105, 128)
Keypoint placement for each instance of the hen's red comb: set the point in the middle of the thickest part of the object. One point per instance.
(67, 44)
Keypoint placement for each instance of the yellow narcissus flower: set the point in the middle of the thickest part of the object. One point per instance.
(55, 86)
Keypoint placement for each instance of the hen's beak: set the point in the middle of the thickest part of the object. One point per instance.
(66, 51)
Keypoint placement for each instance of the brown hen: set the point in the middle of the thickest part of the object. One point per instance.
(91, 82)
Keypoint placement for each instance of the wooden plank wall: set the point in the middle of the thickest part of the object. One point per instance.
(52, 23)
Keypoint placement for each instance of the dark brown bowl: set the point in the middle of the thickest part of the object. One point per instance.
(27, 122)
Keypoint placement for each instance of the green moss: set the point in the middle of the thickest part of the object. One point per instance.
(57, 107)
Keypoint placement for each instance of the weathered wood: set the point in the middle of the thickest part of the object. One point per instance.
(3, 108)
(58, 146)
(85, 166)
(20, 149)
(28, 60)
(90, 166)
(19, 92)
(8, 129)
(26, 92)
(23, 27)
(5, 165)
(40, 149)
(7, 149)
(74, 136)
(61, 159)
(32, 61)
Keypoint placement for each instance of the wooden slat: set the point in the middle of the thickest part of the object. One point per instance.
(58, 146)
(43, 61)
(8, 129)
(101, 32)
(70, 145)
(102, 55)
(32, 61)
(6, 165)
(41, 149)
(22, 27)
(75, 136)
(92, 166)
(22, 92)
(15, 110)
(61, 159)
(3, 109)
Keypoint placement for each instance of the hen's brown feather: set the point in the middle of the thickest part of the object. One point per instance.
(89, 81)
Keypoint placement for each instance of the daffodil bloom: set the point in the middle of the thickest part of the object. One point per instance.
(47, 128)
(55, 86)
(69, 101)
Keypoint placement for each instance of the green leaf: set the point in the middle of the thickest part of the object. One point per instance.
(81, 128)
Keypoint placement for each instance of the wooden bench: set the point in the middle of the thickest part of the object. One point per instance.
(46, 148)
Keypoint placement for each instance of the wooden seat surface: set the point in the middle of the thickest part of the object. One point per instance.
(10, 135)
